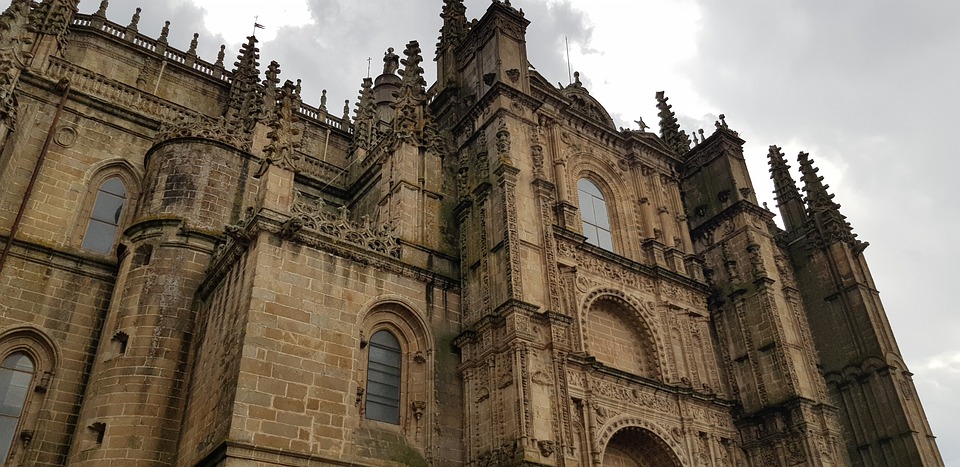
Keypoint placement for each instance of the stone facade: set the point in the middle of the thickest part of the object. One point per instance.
(261, 248)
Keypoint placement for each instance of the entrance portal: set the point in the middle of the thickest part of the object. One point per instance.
(636, 447)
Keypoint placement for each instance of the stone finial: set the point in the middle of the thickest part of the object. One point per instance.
(164, 33)
(670, 131)
(363, 122)
(455, 26)
(246, 101)
(193, 44)
(411, 95)
(821, 209)
(220, 56)
(134, 21)
(272, 74)
(102, 10)
(323, 101)
(391, 62)
(722, 123)
(346, 111)
(270, 86)
(702, 137)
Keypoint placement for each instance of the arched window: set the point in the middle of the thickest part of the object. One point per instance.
(384, 366)
(16, 376)
(104, 220)
(593, 213)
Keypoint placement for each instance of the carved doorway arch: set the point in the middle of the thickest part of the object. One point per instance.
(637, 447)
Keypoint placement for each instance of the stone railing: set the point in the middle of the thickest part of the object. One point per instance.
(320, 170)
(318, 116)
(148, 44)
(122, 95)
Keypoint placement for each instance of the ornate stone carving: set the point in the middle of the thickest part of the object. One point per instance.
(53, 17)
(314, 216)
(13, 31)
(635, 396)
(204, 128)
(286, 132)
(546, 447)
(503, 141)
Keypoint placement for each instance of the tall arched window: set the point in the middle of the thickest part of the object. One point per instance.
(104, 221)
(384, 368)
(16, 376)
(593, 213)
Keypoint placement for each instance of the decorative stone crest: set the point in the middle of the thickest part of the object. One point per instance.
(204, 128)
(316, 217)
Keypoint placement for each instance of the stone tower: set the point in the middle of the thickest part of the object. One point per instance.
(203, 270)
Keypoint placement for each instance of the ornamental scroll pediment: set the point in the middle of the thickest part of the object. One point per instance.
(314, 215)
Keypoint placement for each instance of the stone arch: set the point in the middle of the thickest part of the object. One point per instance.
(34, 342)
(45, 357)
(602, 171)
(398, 316)
(636, 315)
(640, 439)
(132, 180)
(402, 308)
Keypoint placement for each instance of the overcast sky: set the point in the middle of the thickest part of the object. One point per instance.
(868, 87)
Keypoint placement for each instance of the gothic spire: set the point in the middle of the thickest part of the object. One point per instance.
(411, 95)
(455, 25)
(246, 100)
(821, 209)
(366, 113)
(670, 131)
(785, 190)
(270, 86)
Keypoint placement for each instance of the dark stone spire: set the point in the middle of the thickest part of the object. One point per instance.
(785, 190)
(246, 99)
(408, 106)
(670, 131)
(830, 224)
(455, 26)
(366, 115)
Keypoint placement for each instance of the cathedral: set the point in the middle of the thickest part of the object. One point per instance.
(200, 269)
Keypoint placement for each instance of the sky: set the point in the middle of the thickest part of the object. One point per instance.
(868, 87)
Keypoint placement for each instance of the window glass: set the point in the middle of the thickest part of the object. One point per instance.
(105, 217)
(16, 374)
(383, 378)
(593, 214)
